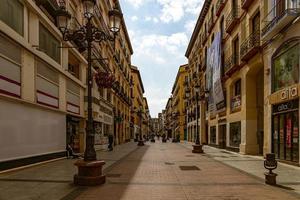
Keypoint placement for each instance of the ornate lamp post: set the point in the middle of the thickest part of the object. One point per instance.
(140, 114)
(89, 169)
(197, 147)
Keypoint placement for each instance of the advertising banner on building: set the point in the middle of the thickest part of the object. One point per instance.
(213, 72)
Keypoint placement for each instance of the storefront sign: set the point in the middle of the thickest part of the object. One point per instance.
(287, 106)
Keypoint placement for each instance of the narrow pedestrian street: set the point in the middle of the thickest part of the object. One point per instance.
(171, 171)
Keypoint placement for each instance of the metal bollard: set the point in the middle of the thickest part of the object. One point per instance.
(270, 164)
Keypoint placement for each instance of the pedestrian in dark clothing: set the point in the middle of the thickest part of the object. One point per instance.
(71, 153)
(110, 142)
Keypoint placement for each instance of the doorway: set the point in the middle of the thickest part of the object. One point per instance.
(222, 136)
(285, 133)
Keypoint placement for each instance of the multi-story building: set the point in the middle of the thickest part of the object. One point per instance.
(137, 92)
(154, 125)
(179, 104)
(280, 57)
(146, 118)
(169, 119)
(121, 93)
(45, 78)
(251, 74)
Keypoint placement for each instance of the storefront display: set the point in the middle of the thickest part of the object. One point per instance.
(285, 137)
(235, 134)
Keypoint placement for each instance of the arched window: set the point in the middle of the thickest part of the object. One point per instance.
(285, 62)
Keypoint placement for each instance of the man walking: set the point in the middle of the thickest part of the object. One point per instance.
(110, 142)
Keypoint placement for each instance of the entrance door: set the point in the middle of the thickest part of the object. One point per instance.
(222, 136)
(286, 136)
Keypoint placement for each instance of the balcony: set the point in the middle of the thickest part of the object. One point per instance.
(231, 64)
(51, 6)
(250, 46)
(232, 19)
(236, 103)
(219, 7)
(246, 4)
(282, 14)
(210, 24)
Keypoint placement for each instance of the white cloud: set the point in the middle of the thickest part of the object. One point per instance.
(134, 18)
(135, 3)
(190, 25)
(174, 10)
(148, 18)
(155, 20)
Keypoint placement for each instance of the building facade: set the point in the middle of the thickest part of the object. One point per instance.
(43, 77)
(179, 103)
(256, 42)
(137, 91)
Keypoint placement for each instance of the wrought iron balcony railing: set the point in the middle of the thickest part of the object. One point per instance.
(231, 62)
(281, 14)
(250, 46)
(232, 19)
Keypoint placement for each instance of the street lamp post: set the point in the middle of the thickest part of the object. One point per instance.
(141, 142)
(197, 147)
(89, 169)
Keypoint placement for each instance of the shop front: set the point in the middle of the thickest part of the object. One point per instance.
(284, 101)
(285, 131)
(73, 137)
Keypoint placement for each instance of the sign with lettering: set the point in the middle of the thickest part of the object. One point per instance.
(287, 106)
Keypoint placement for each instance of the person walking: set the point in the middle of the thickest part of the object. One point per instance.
(110, 142)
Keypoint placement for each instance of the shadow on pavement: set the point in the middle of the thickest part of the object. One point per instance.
(118, 175)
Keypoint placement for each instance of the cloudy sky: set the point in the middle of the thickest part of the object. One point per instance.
(160, 31)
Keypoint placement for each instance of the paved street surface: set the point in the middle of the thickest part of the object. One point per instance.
(169, 171)
(156, 171)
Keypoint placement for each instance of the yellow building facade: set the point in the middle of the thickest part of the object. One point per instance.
(137, 91)
(179, 103)
(259, 110)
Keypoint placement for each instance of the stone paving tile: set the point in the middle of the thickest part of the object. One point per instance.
(145, 175)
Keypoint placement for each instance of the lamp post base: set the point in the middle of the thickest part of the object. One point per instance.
(197, 148)
(270, 178)
(141, 143)
(89, 173)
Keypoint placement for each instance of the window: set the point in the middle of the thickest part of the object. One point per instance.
(213, 137)
(237, 88)
(49, 44)
(73, 65)
(235, 134)
(236, 51)
(11, 13)
(285, 70)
